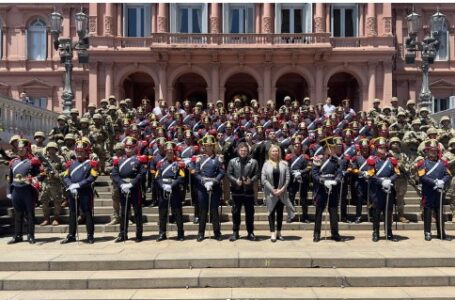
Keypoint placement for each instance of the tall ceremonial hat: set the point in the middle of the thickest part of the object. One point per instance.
(23, 143)
(364, 143)
(432, 144)
(381, 142)
(169, 146)
(82, 146)
(160, 141)
(327, 142)
(208, 140)
(188, 133)
(130, 141)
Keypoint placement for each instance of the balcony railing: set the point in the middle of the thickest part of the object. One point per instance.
(19, 118)
(448, 112)
(245, 40)
(212, 40)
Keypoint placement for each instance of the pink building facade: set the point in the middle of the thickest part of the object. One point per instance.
(205, 52)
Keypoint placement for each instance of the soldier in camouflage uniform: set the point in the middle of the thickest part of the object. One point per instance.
(413, 138)
(91, 108)
(401, 182)
(445, 132)
(376, 110)
(98, 138)
(39, 145)
(410, 110)
(115, 218)
(51, 186)
(400, 127)
(68, 150)
(73, 122)
(85, 127)
(449, 155)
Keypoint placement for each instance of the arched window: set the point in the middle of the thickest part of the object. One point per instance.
(443, 38)
(37, 40)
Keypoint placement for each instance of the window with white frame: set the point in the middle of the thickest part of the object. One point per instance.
(136, 20)
(293, 18)
(189, 18)
(38, 101)
(238, 18)
(344, 20)
(37, 40)
(443, 38)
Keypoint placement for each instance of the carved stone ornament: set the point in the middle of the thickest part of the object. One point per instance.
(108, 24)
(162, 24)
(92, 24)
(319, 24)
(371, 26)
(387, 25)
(267, 24)
(214, 25)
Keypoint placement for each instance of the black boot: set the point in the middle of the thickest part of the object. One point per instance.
(139, 224)
(235, 236)
(390, 235)
(90, 225)
(441, 234)
(161, 237)
(334, 224)
(180, 235)
(376, 217)
(90, 239)
(317, 224)
(72, 224)
(69, 239)
(179, 219)
(427, 223)
(215, 222)
(200, 237)
(162, 220)
(31, 226)
(120, 238)
(18, 224)
(202, 220)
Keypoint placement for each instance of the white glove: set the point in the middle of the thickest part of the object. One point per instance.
(73, 192)
(329, 183)
(167, 188)
(74, 186)
(439, 184)
(9, 196)
(208, 185)
(386, 184)
(126, 187)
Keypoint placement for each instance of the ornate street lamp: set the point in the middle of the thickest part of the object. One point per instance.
(65, 47)
(428, 49)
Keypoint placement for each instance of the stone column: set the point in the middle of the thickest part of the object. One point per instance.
(108, 20)
(109, 70)
(319, 20)
(257, 10)
(267, 18)
(162, 18)
(387, 84)
(162, 87)
(387, 19)
(92, 19)
(267, 85)
(319, 85)
(78, 101)
(371, 20)
(93, 83)
(371, 82)
(215, 82)
(215, 18)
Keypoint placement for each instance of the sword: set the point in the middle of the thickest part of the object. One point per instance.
(441, 211)
(169, 196)
(125, 221)
(76, 199)
(325, 214)
(210, 210)
(368, 201)
(386, 213)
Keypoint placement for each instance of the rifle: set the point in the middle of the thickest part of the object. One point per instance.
(50, 168)
(411, 181)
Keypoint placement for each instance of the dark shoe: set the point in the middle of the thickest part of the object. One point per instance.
(336, 237)
(138, 238)
(31, 239)
(180, 237)
(90, 239)
(344, 220)
(280, 237)
(218, 236)
(120, 238)
(390, 237)
(235, 236)
(68, 239)
(444, 238)
(358, 220)
(196, 220)
(161, 237)
(306, 220)
(251, 237)
(200, 237)
(375, 237)
(427, 236)
(316, 237)
(15, 239)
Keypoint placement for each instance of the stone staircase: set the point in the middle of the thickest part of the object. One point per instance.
(103, 211)
(296, 268)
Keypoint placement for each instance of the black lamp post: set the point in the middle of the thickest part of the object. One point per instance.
(65, 47)
(428, 49)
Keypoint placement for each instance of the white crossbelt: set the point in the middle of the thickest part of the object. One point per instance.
(78, 167)
(124, 163)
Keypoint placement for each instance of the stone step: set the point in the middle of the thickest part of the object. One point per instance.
(227, 227)
(333, 293)
(228, 278)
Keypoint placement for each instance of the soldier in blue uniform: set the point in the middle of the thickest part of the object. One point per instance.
(23, 190)
(79, 177)
(384, 170)
(170, 177)
(157, 154)
(326, 174)
(360, 167)
(434, 176)
(127, 174)
(208, 173)
(300, 168)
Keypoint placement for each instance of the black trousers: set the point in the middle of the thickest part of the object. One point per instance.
(248, 202)
(278, 211)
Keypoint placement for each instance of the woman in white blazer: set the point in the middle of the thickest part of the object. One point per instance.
(275, 179)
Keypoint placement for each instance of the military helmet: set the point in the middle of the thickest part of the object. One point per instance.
(287, 98)
(112, 108)
(416, 122)
(387, 108)
(208, 140)
(128, 100)
(376, 101)
(410, 102)
(84, 120)
(119, 146)
(432, 130)
(451, 141)
(130, 141)
(91, 105)
(237, 100)
(401, 113)
(112, 97)
(104, 101)
(97, 117)
(445, 118)
(306, 99)
(70, 136)
(61, 117)
(39, 134)
(424, 109)
(52, 145)
(394, 140)
(74, 111)
(122, 102)
(14, 138)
